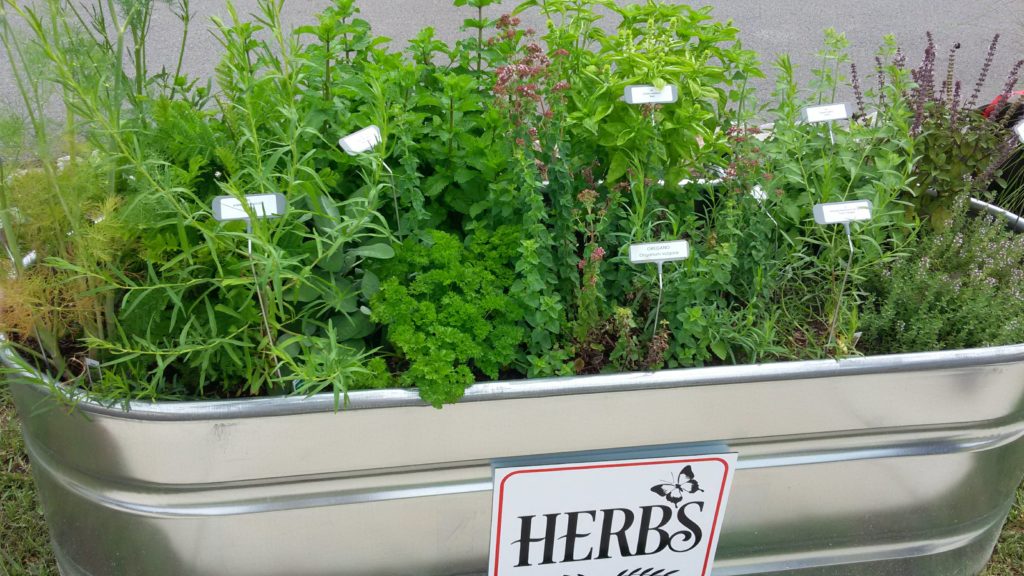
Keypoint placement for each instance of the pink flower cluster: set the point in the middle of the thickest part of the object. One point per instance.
(587, 197)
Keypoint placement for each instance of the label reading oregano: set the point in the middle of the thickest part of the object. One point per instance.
(653, 516)
(659, 251)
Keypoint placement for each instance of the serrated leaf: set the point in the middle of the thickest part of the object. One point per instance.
(720, 349)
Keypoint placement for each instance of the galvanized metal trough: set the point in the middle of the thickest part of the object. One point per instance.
(903, 464)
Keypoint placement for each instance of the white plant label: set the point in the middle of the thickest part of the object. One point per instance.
(226, 208)
(1019, 129)
(842, 212)
(650, 95)
(662, 515)
(700, 182)
(758, 193)
(826, 113)
(659, 252)
(360, 141)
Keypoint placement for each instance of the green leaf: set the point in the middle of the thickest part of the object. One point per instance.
(333, 263)
(617, 168)
(379, 251)
(345, 299)
(306, 292)
(720, 349)
(371, 284)
(353, 326)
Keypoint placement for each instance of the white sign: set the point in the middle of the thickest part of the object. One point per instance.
(659, 252)
(758, 193)
(361, 141)
(700, 182)
(662, 515)
(826, 113)
(651, 95)
(1019, 129)
(842, 212)
(262, 205)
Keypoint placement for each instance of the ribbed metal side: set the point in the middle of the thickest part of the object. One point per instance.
(885, 465)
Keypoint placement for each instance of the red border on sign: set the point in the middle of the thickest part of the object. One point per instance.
(714, 522)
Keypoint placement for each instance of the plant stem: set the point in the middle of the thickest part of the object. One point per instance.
(479, 38)
(327, 70)
(186, 18)
(9, 238)
(833, 325)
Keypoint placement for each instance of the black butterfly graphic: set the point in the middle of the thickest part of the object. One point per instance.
(684, 484)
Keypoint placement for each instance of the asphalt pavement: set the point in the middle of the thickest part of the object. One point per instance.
(771, 27)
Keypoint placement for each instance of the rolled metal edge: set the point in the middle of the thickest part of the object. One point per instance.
(1014, 221)
(535, 388)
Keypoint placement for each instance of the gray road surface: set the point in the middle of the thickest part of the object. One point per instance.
(770, 27)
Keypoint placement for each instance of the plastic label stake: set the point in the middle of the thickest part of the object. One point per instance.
(659, 253)
(842, 213)
(230, 208)
(363, 141)
(644, 94)
(758, 193)
(227, 208)
(1019, 129)
(827, 113)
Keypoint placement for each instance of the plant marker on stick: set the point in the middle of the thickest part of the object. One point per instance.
(363, 141)
(646, 94)
(842, 213)
(659, 253)
(758, 194)
(231, 208)
(1019, 129)
(827, 113)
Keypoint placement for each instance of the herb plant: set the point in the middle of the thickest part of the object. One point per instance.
(446, 314)
(485, 235)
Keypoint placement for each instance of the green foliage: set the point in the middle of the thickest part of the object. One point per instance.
(959, 288)
(446, 314)
(485, 235)
(718, 302)
(961, 151)
(818, 279)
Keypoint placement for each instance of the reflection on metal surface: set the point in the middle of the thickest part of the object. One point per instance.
(887, 465)
(1015, 221)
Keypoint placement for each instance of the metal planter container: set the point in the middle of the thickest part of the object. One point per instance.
(901, 464)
